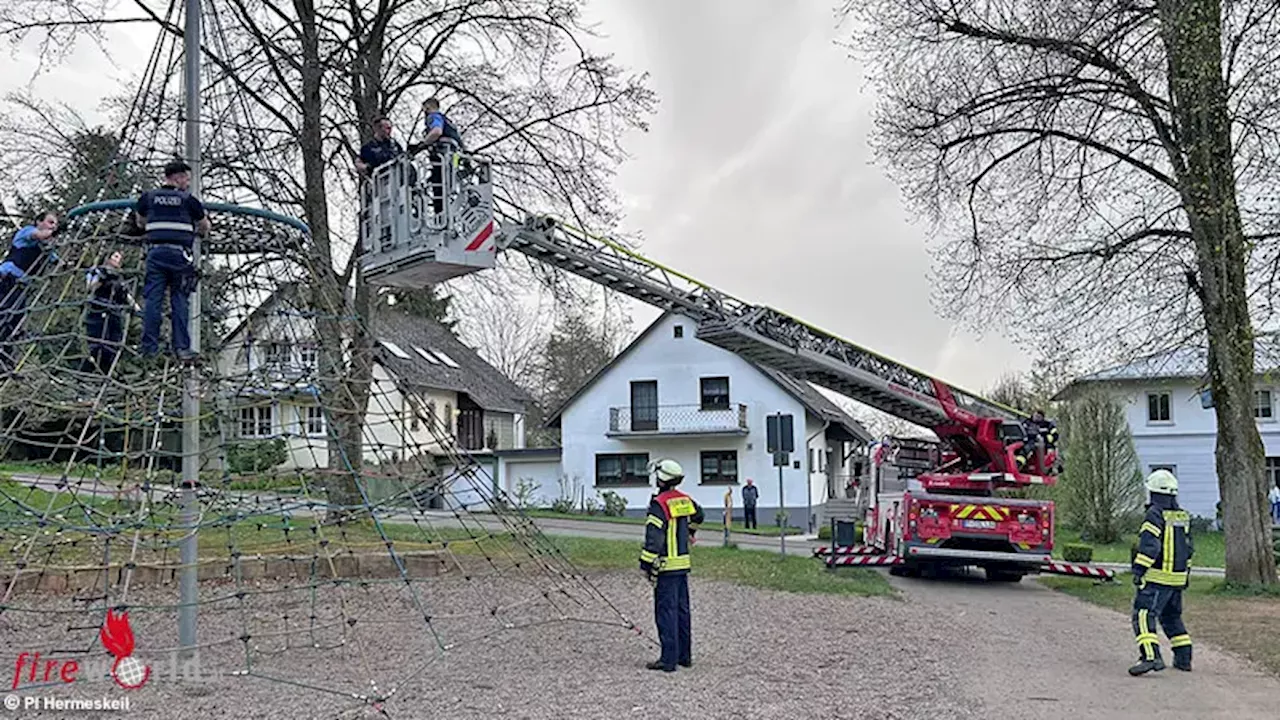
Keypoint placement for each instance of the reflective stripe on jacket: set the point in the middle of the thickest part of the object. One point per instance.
(1164, 545)
(667, 532)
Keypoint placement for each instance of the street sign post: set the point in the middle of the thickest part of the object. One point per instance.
(780, 441)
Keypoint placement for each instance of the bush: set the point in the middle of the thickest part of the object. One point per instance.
(524, 492)
(562, 505)
(1077, 552)
(254, 457)
(824, 532)
(614, 504)
(1201, 524)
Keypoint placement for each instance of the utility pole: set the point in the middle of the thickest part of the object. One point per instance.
(189, 548)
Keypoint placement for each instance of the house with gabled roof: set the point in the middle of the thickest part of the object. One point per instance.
(1170, 414)
(668, 394)
(424, 377)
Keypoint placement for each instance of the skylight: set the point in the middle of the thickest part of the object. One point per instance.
(447, 360)
(426, 355)
(395, 349)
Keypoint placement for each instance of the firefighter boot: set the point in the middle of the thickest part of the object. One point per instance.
(1182, 658)
(1145, 666)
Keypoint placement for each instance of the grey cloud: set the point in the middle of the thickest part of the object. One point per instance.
(757, 178)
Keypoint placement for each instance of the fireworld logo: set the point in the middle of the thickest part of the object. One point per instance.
(128, 671)
(117, 638)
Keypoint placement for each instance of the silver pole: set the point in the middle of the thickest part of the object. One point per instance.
(782, 503)
(191, 394)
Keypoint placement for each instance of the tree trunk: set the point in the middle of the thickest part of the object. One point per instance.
(1192, 34)
(327, 296)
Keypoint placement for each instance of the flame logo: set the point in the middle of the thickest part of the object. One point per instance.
(117, 638)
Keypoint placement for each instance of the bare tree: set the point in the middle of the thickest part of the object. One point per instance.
(507, 321)
(1101, 172)
(302, 79)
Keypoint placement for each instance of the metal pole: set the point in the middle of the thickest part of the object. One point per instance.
(191, 394)
(782, 504)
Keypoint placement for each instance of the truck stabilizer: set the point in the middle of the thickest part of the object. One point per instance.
(866, 555)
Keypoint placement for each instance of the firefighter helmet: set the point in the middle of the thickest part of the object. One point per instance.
(1162, 481)
(666, 472)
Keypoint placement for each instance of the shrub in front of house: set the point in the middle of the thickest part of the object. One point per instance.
(614, 504)
(255, 457)
(1077, 552)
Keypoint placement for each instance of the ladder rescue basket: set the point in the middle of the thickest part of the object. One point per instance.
(422, 223)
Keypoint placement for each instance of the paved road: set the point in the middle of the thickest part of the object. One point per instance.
(1029, 652)
(1014, 650)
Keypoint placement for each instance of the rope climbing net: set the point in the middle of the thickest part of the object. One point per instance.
(320, 571)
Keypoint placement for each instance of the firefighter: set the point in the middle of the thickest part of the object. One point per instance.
(1161, 569)
(671, 525)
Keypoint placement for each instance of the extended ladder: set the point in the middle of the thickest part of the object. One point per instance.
(760, 334)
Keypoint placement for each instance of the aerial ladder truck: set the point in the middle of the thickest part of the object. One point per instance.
(953, 514)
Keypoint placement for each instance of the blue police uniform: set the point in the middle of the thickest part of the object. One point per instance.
(104, 323)
(666, 554)
(25, 258)
(378, 152)
(171, 216)
(448, 135)
(437, 120)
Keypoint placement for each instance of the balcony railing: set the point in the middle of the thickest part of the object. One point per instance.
(678, 420)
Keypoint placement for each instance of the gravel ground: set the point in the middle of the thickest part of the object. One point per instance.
(947, 650)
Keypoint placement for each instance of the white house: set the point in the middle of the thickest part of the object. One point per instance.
(423, 377)
(1171, 416)
(669, 394)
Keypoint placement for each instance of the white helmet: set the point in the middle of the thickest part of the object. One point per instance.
(666, 472)
(1162, 481)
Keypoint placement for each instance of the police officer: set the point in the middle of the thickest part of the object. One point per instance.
(442, 137)
(26, 257)
(1161, 569)
(104, 323)
(380, 149)
(671, 524)
(171, 217)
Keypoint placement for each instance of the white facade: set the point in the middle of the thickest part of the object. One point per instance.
(279, 365)
(537, 468)
(1172, 429)
(672, 395)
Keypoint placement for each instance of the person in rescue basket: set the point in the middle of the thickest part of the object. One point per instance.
(441, 138)
(172, 217)
(669, 531)
(1161, 569)
(27, 255)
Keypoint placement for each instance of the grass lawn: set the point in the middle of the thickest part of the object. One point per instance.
(1245, 621)
(158, 533)
(793, 573)
(709, 526)
(1210, 549)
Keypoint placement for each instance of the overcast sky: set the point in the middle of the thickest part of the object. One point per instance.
(756, 176)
